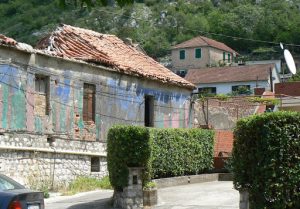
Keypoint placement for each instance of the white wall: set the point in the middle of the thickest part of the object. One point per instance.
(225, 88)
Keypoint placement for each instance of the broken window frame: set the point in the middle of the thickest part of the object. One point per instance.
(42, 87)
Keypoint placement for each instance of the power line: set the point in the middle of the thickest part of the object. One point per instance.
(210, 33)
(99, 92)
(74, 106)
(77, 78)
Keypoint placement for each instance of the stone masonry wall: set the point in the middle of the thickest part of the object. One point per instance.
(35, 160)
(222, 115)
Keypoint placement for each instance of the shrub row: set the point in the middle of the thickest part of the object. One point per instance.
(163, 152)
(127, 146)
(266, 159)
(177, 152)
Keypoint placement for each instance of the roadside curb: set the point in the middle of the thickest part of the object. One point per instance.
(192, 179)
(56, 198)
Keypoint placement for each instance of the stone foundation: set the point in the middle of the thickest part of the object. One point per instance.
(37, 161)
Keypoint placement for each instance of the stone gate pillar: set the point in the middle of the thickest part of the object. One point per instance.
(132, 196)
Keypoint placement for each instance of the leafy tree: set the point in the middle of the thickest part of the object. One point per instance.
(91, 3)
(158, 24)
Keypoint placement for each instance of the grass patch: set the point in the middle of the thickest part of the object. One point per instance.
(84, 184)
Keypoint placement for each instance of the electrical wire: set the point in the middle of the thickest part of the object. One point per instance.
(211, 33)
(73, 106)
(108, 94)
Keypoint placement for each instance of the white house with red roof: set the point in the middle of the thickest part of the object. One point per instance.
(227, 80)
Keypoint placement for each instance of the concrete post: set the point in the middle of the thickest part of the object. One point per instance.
(244, 200)
(132, 196)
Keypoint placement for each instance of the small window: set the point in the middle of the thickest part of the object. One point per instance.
(95, 164)
(224, 56)
(149, 111)
(182, 54)
(228, 58)
(41, 84)
(241, 89)
(41, 97)
(207, 90)
(181, 73)
(88, 111)
(198, 53)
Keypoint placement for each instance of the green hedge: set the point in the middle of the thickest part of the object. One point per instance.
(177, 152)
(266, 159)
(163, 152)
(126, 146)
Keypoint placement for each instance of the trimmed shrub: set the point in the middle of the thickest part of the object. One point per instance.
(177, 152)
(162, 152)
(127, 146)
(266, 159)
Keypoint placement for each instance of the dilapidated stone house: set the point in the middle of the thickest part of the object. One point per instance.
(59, 100)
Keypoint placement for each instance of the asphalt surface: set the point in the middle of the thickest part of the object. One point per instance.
(209, 195)
(100, 199)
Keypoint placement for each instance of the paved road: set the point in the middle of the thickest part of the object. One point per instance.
(210, 195)
(89, 200)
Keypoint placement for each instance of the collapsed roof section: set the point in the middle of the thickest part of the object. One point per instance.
(108, 50)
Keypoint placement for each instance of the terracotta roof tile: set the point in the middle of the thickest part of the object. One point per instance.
(201, 41)
(229, 74)
(90, 46)
(7, 40)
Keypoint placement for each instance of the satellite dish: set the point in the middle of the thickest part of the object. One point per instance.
(290, 61)
(281, 45)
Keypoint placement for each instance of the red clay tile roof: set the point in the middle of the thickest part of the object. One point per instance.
(229, 74)
(90, 46)
(204, 41)
(7, 40)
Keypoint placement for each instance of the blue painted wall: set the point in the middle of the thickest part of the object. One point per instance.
(119, 99)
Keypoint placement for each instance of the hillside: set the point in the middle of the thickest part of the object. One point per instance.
(158, 24)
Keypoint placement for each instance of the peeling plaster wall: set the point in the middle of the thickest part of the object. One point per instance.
(119, 99)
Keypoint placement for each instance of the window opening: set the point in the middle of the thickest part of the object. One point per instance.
(149, 111)
(88, 112)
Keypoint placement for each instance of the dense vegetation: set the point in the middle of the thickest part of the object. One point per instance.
(127, 146)
(177, 152)
(266, 159)
(162, 152)
(158, 24)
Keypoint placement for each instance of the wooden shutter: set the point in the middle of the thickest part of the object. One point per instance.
(182, 54)
(198, 53)
(89, 102)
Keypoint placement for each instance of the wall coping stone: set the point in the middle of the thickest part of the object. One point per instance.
(51, 151)
(192, 179)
